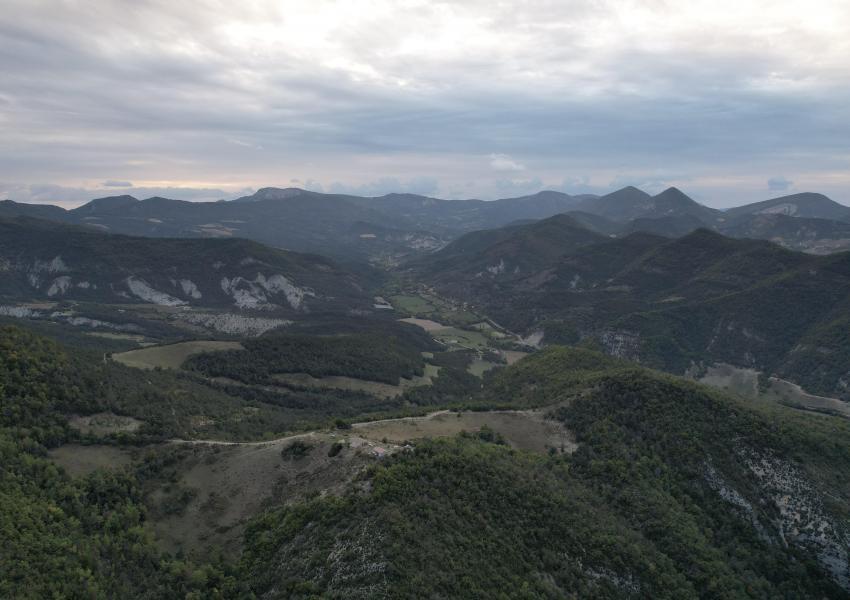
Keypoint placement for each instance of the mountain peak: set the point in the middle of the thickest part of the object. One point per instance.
(122, 199)
(107, 203)
(549, 193)
(674, 193)
(561, 219)
(627, 194)
(672, 190)
(705, 238)
(272, 193)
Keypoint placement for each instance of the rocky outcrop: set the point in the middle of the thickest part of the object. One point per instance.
(260, 292)
(791, 511)
(621, 343)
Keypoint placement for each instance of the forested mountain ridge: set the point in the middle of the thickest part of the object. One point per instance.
(42, 260)
(675, 303)
(675, 491)
(506, 253)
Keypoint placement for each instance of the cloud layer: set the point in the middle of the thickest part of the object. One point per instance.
(461, 99)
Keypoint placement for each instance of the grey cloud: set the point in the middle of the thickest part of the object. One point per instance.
(312, 185)
(581, 185)
(118, 184)
(503, 162)
(652, 183)
(779, 184)
(155, 91)
(45, 193)
(419, 185)
(185, 193)
(309, 184)
(518, 187)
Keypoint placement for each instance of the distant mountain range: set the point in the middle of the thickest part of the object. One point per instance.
(631, 203)
(670, 303)
(807, 222)
(345, 227)
(392, 228)
(43, 260)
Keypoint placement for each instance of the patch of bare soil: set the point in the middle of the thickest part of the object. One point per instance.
(793, 395)
(375, 388)
(230, 483)
(513, 356)
(744, 382)
(171, 356)
(79, 460)
(524, 430)
(104, 423)
(208, 495)
(426, 324)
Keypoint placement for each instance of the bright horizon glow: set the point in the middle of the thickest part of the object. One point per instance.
(732, 102)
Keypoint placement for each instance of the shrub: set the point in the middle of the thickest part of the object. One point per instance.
(295, 450)
(335, 449)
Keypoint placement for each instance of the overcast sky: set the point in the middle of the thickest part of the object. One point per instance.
(730, 100)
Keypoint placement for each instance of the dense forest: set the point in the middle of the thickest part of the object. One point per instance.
(80, 538)
(186, 403)
(366, 356)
